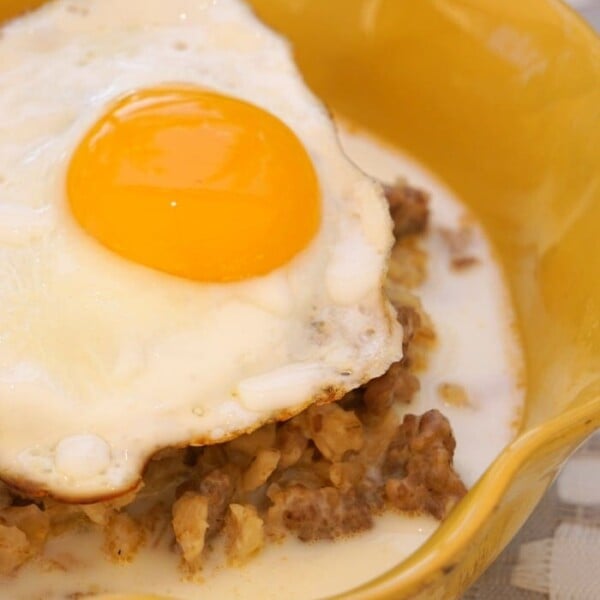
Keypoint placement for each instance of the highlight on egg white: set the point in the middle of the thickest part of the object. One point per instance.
(104, 360)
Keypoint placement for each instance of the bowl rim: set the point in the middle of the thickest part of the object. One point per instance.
(417, 570)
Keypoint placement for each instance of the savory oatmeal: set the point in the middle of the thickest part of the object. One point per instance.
(323, 474)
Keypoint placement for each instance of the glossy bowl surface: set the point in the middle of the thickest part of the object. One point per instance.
(502, 101)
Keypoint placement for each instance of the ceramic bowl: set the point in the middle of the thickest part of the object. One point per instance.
(502, 101)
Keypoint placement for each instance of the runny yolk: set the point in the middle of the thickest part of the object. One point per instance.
(195, 184)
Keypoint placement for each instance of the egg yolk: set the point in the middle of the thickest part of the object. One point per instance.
(195, 184)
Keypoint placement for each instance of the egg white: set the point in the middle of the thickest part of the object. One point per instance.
(103, 361)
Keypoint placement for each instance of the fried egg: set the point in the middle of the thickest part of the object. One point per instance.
(185, 252)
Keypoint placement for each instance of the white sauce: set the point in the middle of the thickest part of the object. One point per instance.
(470, 308)
(476, 349)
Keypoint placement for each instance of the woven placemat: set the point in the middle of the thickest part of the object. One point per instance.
(556, 555)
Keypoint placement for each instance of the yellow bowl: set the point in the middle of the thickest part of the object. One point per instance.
(502, 101)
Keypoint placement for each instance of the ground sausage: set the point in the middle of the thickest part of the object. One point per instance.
(418, 466)
(409, 208)
(316, 514)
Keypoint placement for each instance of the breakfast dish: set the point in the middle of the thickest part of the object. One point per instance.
(218, 334)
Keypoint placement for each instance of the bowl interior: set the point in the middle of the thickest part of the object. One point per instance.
(502, 101)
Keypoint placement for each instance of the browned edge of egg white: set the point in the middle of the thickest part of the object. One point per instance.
(29, 488)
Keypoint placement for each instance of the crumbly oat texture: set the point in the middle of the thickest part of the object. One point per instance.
(323, 474)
